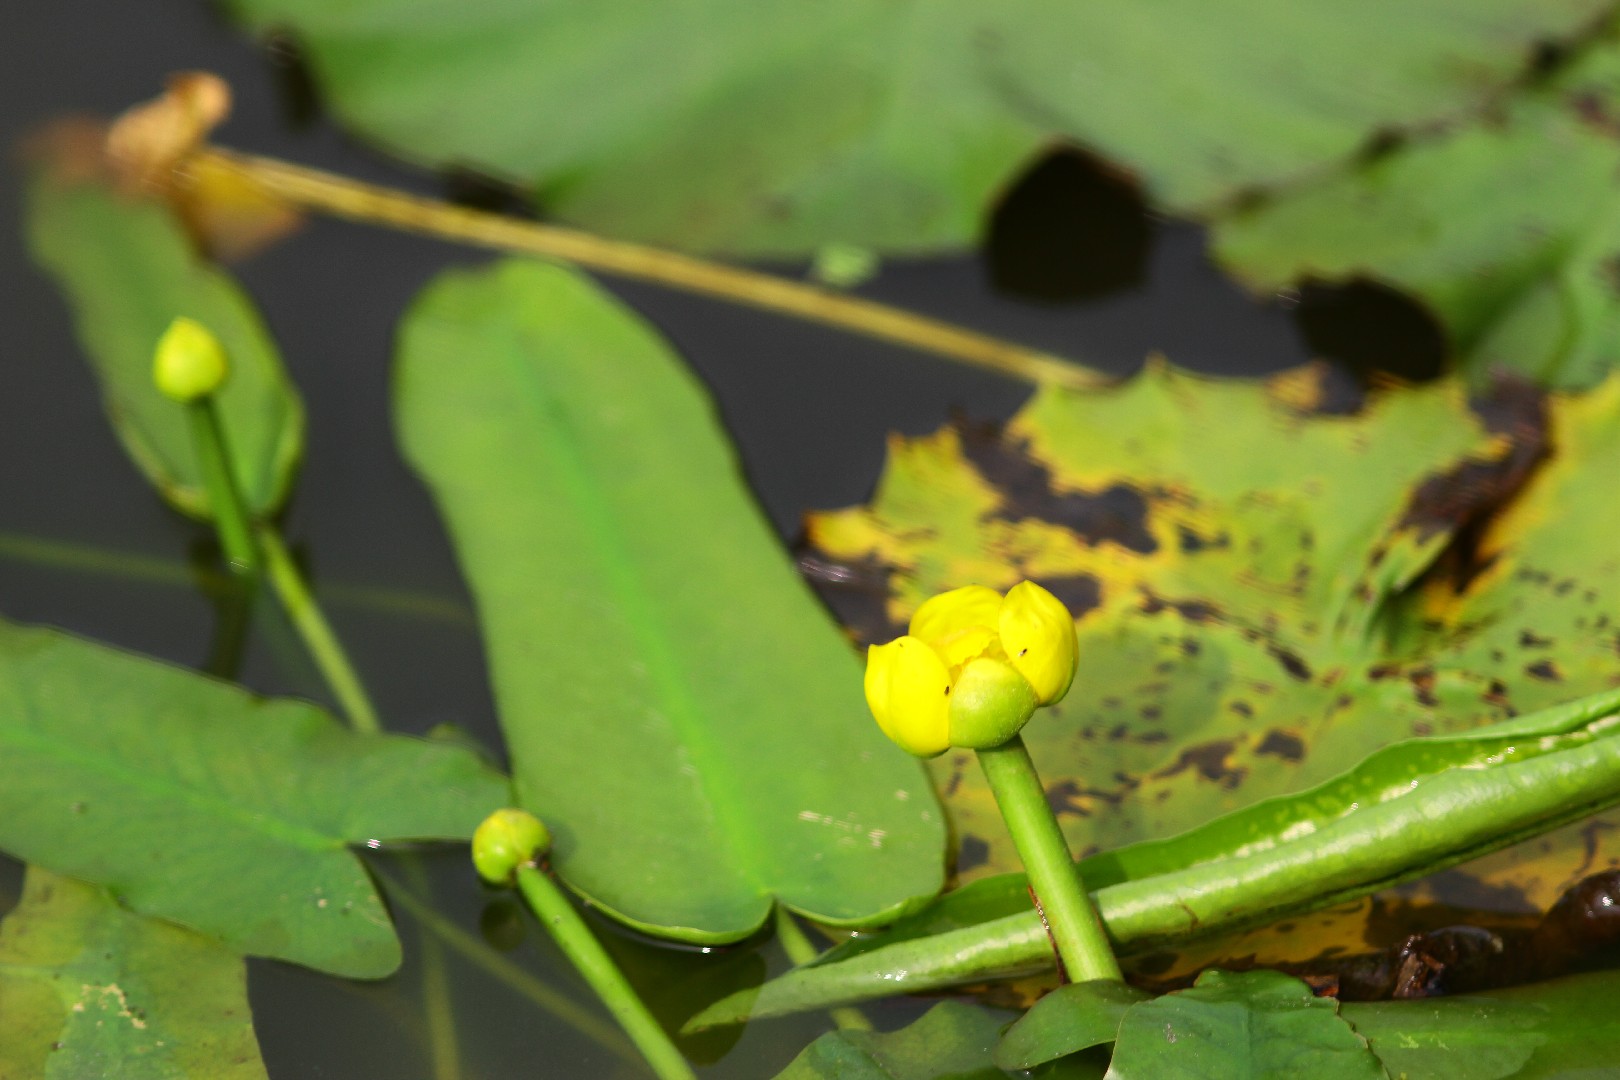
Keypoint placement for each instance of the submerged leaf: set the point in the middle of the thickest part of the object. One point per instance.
(128, 270)
(89, 989)
(680, 711)
(781, 128)
(195, 801)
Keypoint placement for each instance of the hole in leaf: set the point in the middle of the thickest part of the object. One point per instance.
(1371, 328)
(296, 91)
(1068, 230)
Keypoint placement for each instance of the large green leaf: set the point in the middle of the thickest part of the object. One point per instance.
(192, 800)
(1244, 578)
(88, 989)
(777, 128)
(1226, 554)
(678, 708)
(1237, 1026)
(128, 269)
(1508, 228)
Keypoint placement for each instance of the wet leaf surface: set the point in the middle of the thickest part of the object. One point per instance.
(780, 130)
(193, 800)
(679, 710)
(89, 989)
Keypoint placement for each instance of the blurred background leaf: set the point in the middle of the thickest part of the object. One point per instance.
(776, 130)
(128, 269)
(91, 989)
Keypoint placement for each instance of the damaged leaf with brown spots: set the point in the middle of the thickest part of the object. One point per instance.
(1263, 593)
(88, 988)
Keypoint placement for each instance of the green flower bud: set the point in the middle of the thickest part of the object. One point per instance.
(506, 840)
(189, 362)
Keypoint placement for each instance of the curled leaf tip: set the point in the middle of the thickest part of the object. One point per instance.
(506, 840)
(189, 362)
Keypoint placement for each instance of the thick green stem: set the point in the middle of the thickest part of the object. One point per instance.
(324, 647)
(1072, 920)
(568, 929)
(801, 950)
(219, 480)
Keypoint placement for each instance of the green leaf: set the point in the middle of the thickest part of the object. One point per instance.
(1071, 1018)
(1564, 1028)
(1565, 767)
(952, 1040)
(89, 989)
(679, 709)
(1507, 228)
(127, 270)
(1227, 554)
(1250, 1024)
(197, 802)
(777, 129)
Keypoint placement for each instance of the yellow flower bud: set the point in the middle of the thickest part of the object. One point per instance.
(505, 841)
(973, 669)
(189, 362)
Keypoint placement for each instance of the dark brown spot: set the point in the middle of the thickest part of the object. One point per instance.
(1243, 709)
(1117, 514)
(1210, 759)
(1291, 662)
(1529, 640)
(1283, 744)
(1544, 670)
(1423, 686)
(1079, 592)
(975, 852)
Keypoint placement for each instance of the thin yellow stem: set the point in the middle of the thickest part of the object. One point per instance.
(355, 200)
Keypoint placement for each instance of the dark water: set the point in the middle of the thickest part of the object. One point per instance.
(1072, 264)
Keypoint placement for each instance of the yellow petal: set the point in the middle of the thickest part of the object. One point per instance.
(1038, 633)
(989, 704)
(909, 692)
(959, 609)
(964, 645)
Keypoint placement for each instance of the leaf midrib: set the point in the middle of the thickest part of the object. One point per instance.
(261, 822)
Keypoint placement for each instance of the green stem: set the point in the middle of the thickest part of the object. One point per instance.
(219, 480)
(1073, 922)
(477, 952)
(324, 647)
(575, 939)
(801, 951)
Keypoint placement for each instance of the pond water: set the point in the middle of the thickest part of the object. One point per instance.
(1072, 264)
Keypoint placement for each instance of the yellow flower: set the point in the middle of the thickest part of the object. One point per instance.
(189, 361)
(973, 668)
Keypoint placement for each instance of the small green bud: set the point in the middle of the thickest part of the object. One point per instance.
(189, 362)
(505, 841)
